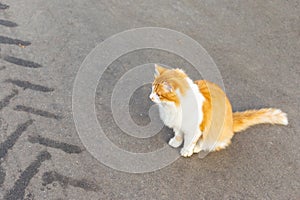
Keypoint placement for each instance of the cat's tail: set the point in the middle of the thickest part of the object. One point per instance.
(243, 120)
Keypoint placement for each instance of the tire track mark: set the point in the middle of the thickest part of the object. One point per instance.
(3, 127)
(52, 176)
(2, 175)
(8, 23)
(8, 40)
(21, 62)
(4, 102)
(18, 190)
(3, 6)
(68, 148)
(9, 143)
(27, 85)
(12, 139)
(39, 112)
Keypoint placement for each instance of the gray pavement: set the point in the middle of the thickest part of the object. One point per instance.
(255, 45)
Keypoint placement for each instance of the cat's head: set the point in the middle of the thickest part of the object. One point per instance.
(168, 84)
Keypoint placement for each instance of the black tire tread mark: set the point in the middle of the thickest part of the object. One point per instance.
(3, 6)
(9, 143)
(68, 148)
(35, 111)
(8, 40)
(27, 85)
(52, 176)
(4, 102)
(8, 23)
(21, 62)
(18, 190)
(12, 139)
(2, 175)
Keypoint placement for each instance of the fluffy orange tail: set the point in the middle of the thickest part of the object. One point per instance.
(243, 120)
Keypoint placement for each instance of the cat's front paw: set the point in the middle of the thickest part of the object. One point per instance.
(186, 152)
(174, 142)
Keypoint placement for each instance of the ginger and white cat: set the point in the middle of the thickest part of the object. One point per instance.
(200, 113)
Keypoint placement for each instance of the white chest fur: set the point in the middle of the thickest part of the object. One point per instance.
(186, 117)
(170, 114)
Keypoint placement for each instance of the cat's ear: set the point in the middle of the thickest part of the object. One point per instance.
(167, 87)
(159, 70)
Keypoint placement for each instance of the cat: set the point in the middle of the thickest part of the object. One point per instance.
(200, 113)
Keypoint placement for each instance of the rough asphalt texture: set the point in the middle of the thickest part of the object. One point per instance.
(255, 44)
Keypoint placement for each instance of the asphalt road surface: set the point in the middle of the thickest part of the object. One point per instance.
(255, 44)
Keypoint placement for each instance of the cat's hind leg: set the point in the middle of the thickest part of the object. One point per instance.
(177, 140)
(213, 146)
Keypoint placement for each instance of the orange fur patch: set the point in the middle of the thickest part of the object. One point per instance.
(174, 78)
(219, 123)
(217, 114)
